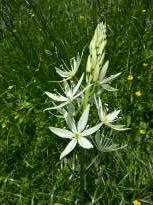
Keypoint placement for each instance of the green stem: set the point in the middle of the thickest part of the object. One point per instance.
(82, 152)
(82, 178)
(87, 93)
(86, 97)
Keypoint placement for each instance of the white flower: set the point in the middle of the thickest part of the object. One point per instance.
(108, 119)
(71, 92)
(77, 132)
(105, 81)
(69, 73)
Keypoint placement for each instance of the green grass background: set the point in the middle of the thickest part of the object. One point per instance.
(36, 36)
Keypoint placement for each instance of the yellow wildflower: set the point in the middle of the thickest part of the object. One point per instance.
(4, 125)
(138, 93)
(144, 10)
(16, 116)
(145, 65)
(130, 77)
(142, 132)
(136, 202)
(10, 87)
(81, 18)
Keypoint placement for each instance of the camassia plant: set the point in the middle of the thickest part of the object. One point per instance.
(82, 99)
(80, 96)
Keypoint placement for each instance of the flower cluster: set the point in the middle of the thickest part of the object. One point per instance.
(96, 67)
(78, 97)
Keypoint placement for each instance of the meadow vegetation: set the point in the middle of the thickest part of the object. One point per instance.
(35, 38)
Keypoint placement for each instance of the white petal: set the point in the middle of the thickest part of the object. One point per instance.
(91, 130)
(61, 73)
(88, 65)
(69, 148)
(118, 127)
(83, 119)
(113, 115)
(109, 88)
(100, 103)
(58, 106)
(96, 103)
(67, 88)
(82, 91)
(83, 142)
(109, 79)
(98, 106)
(61, 111)
(75, 63)
(70, 122)
(61, 132)
(103, 71)
(78, 85)
(101, 110)
(58, 98)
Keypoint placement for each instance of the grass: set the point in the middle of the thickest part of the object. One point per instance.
(36, 36)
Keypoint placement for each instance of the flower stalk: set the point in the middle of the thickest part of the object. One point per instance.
(82, 177)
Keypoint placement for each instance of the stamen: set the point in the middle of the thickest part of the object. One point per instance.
(77, 134)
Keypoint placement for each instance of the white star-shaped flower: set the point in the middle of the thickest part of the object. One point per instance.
(106, 81)
(77, 132)
(70, 91)
(69, 73)
(108, 119)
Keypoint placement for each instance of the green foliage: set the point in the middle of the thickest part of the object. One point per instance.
(36, 36)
